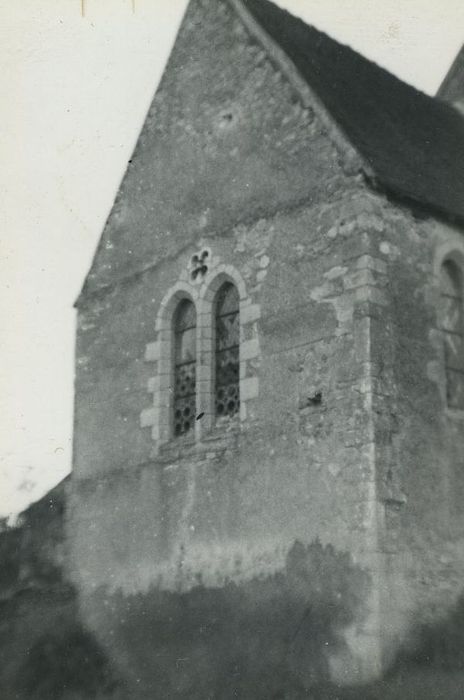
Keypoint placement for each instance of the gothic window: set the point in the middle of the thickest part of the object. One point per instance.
(452, 323)
(227, 397)
(184, 367)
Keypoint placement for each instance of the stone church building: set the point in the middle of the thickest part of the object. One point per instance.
(269, 402)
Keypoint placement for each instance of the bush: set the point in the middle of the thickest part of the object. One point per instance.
(67, 664)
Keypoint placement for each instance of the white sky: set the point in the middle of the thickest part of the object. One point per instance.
(74, 91)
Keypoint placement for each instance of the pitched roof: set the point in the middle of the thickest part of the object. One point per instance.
(452, 87)
(413, 143)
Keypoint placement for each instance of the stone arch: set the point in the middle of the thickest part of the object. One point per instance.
(159, 415)
(215, 280)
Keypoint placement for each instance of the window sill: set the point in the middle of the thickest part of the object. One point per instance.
(177, 447)
(222, 435)
(225, 432)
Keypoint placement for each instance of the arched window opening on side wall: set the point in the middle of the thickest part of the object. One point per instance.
(452, 323)
(185, 357)
(227, 350)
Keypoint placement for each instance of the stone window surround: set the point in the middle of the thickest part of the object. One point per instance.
(453, 251)
(159, 416)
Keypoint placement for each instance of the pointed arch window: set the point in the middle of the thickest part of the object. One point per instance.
(452, 323)
(185, 359)
(227, 367)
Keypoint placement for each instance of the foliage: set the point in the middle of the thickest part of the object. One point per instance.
(10, 542)
(67, 663)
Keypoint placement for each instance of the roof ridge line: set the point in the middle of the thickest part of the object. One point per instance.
(353, 160)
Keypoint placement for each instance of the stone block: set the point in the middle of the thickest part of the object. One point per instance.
(250, 313)
(370, 263)
(358, 279)
(148, 417)
(153, 385)
(372, 294)
(249, 349)
(249, 388)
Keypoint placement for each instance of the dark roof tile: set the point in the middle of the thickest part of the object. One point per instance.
(413, 143)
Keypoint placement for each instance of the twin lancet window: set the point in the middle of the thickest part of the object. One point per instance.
(452, 322)
(226, 366)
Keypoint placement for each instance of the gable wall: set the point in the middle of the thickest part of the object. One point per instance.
(231, 509)
(249, 173)
(226, 139)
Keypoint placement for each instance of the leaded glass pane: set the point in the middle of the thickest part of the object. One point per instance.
(227, 400)
(184, 414)
(185, 367)
(185, 316)
(227, 364)
(452, 323)
(185, 380)
(186, 346)
(227, 331)
(227, 300)
(227, 351)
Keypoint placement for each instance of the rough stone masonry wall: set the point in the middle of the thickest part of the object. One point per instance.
(308, 345)
(225, 121)
(227, 139)
(419, 443)
(229, 159)
(298, 468)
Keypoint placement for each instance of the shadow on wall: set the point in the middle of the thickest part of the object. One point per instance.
(265, 638)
